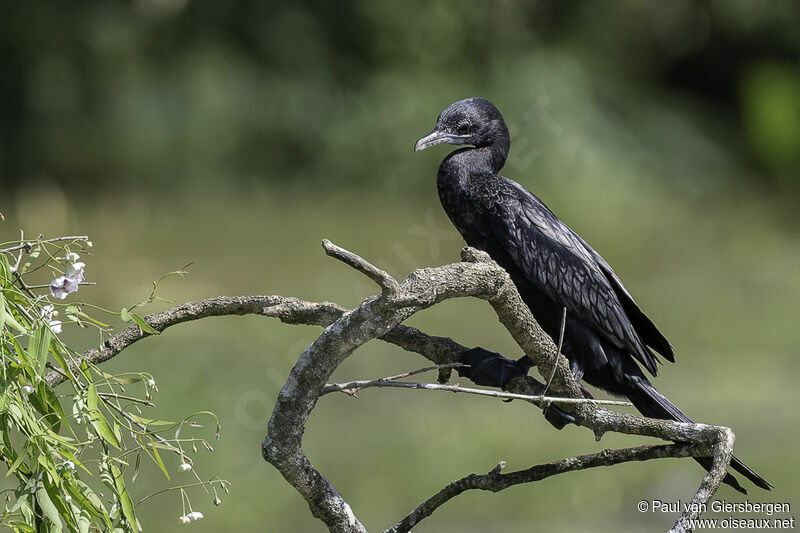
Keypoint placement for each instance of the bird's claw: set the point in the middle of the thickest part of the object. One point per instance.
(492, 369)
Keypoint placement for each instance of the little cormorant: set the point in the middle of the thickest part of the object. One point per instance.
(606, 336)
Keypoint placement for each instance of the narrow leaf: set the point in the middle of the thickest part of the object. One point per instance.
(144, 325)
(159, 461)
(49, 509)
(124, 498)
(39, 346)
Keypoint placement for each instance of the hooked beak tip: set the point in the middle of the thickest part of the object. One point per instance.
(438, 137)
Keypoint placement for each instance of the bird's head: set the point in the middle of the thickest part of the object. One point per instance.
(474, 121)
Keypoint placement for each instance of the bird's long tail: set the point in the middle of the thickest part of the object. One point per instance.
(653, 404)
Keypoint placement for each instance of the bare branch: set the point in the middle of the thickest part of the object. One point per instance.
(440, 350)
(221, 306)
(494, 481)
(387, 283)
(538, 400)
(723, 451)
(381, 317)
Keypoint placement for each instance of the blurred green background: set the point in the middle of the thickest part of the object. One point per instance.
(238, 134)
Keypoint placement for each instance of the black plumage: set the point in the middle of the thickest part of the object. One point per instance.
(607, 336)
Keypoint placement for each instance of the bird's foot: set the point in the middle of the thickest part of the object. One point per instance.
(492, 369)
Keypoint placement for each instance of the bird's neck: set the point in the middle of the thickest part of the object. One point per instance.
(481, 159)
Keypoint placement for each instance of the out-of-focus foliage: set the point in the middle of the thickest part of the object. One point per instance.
(151, 91)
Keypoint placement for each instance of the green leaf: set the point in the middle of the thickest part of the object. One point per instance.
(136, 465)
(42, 399)
(18, 462)
(91, 397)
(97, 419)
(158, 459)
(49, 509)
(2, 311)
(58, 355)
(52, 486)
(83, 516)
(144, 325)
(90, 319)
(89, 500)
(119, 379)
(5, 270)
(124, 498)
(21, 526)
(9, 319)
(151, 422)
(39, 346)
(46, 402)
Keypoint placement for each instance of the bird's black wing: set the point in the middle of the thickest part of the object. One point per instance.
(555, 260)
(647, 331)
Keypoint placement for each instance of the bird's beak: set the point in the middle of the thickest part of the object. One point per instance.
(439, 137)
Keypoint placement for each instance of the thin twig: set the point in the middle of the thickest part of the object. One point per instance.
(115, 396)
(534, 399)
(558, 353)
(48, 285)
(421, 371)
(144, 428)
(56, 239)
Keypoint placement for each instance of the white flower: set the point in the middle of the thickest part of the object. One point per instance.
(68, 283)
(67, 498)
(69, 465)
(48, 312)
(184, 519)
(75, 271)
(184, 467)
(27, 389)
(195, 515)
(151, 382)
(72, 256)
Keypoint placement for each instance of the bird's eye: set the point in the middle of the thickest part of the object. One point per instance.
(462, 128)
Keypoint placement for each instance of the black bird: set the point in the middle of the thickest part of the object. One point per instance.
(606, 337)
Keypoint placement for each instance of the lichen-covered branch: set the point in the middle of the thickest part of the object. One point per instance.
(381, 317)
(478, 276)
(440, 350)
(495, 481)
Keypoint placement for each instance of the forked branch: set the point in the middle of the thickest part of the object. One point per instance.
(381, 317)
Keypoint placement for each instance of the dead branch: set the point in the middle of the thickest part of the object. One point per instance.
(494, 481)
(440, 350)
(381, 317)
(539, 400)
